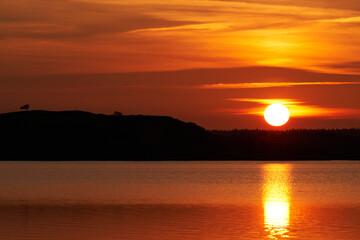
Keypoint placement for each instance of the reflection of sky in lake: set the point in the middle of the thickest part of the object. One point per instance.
(180, 200)
(276, 200)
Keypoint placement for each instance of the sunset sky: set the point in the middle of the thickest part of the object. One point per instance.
(215, 63)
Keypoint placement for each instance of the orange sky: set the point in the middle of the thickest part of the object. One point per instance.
(122, 55)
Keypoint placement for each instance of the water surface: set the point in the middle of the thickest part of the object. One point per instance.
(179, 200)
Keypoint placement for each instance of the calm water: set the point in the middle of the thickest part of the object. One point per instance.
(179, 200)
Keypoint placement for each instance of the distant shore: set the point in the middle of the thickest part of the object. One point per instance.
(78, 135)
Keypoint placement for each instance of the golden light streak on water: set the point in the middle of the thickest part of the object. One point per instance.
(276, 200)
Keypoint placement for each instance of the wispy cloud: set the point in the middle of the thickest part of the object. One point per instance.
(342, 20)
(345, 65)
(270, 84)
(267, 101)
(202, 26)
(177, 34)
(349, 4)
(58, 20)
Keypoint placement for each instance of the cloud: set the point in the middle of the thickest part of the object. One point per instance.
(267, 101)
(343, 20)
(67, 19)
(270, 84)
(348, 65)
(201, 26)
(167, 35)
(351, 67)
(327, 4)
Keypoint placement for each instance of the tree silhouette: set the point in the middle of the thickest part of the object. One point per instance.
(116, 113)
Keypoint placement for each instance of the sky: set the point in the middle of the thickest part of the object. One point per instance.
(216, 63)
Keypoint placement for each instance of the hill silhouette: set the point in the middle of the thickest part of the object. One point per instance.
(77, 135)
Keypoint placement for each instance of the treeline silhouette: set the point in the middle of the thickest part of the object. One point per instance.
(294, 144)
(77, 135)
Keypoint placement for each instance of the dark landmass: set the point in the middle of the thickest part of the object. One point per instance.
(77, 135)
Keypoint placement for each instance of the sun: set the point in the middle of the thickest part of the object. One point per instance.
(276, 114)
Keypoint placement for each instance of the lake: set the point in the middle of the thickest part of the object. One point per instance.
(179, 200)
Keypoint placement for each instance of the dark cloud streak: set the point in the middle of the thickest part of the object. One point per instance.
(66, 19)
(346, 5)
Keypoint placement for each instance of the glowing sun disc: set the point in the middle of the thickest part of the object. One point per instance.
(276, 114)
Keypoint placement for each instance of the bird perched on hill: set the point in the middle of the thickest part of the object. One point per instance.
(25, 107)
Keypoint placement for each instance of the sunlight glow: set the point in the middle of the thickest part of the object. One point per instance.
(276, 200)
(296, 108)
(277, 213)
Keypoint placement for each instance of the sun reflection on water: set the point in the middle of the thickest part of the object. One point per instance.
(276, 200)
